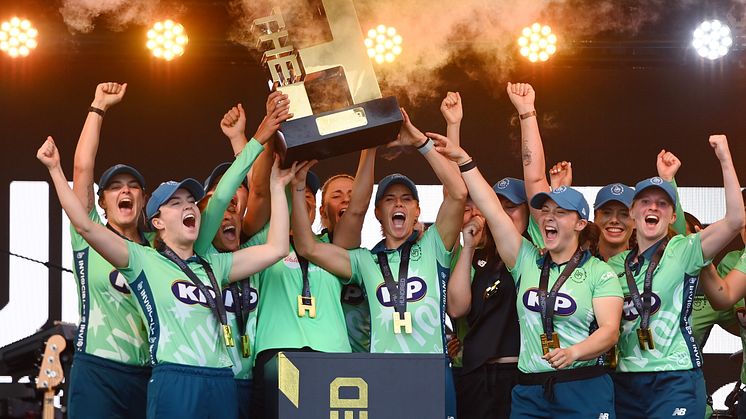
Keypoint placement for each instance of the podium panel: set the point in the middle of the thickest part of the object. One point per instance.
(305, 385)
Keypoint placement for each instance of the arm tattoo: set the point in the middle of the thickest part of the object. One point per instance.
(90, 198)
(525, 153)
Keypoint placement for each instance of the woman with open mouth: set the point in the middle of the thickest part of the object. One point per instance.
(657, 352)
(569, 302)
(178, 290)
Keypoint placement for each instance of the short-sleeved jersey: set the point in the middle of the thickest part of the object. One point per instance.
(574, 318)
(181, 327)
(428, 273)
(737, 260)
(278, 323)
(674, 285)
(110, 323)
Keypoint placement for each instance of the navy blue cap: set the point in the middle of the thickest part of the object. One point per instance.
(565, 197)
(656, 182)
(313, 182)
(394, 179)
(614, 192)
(216, 173)
(166, 190)
(115, 170)
(514, 190)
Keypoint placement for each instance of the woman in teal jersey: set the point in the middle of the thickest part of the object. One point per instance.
(657, 351)
(568, 303)
(176, 289)
(111, 344)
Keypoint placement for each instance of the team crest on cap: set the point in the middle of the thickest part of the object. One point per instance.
(656, 180)
(616, 189)
(560, 189)
(503, 184)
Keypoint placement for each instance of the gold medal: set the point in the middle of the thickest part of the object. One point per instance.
(228, 336)
(549, 344)
(402, 321)
(645, 336)
(306, 304)
(245, 346)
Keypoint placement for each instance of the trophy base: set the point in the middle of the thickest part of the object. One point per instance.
(357, 127)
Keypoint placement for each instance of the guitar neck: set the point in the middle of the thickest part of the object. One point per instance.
(48, 406)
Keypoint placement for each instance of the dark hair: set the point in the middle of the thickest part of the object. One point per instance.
(692, 222)
(589, 237)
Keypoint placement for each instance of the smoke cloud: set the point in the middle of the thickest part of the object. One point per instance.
(82, 15)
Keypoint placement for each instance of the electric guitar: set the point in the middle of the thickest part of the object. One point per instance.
(50, 373)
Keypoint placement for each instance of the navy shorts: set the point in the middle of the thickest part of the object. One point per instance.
(184, 391)
(589, 398)
(665, 394)
(243, 388)
(101, 388)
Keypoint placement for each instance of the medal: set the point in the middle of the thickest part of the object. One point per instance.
(245, 346)
(644, 336)
(549, 344)
(403, 321)
(228, 336)
(306, 305)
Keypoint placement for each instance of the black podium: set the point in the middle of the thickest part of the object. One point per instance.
(355, 386)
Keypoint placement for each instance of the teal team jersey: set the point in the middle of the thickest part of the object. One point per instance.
(110, 323)
(278, 323)
(737, 260)
(181, 327)
(674, 285)
(574, 319)
(429, 270)
(357, 315)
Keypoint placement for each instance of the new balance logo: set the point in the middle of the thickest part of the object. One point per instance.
(679, 411)
(603, 416)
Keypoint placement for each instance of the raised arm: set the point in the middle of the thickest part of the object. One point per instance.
(522, 96)
(507, 238)
(349, 228)
(608, 311)
(106, 96)
(717, 235)
(329, 257)
(107, 243)
(668, 165)
(253, 259)
(258, 202)
(722, 293)
(458, 292)
(453, 113)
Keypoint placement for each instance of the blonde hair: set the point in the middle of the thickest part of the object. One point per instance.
(332, 179)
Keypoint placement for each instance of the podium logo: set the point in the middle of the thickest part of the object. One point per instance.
(416, 290)
(564, 305)
(346, 407)
(630, 311)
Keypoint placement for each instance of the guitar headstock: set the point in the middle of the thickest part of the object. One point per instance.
(50, 369)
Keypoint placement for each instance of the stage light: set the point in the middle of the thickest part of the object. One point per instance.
(712, 39)
(383, 44)
(537, 42)
(167, 40)
(17, 37)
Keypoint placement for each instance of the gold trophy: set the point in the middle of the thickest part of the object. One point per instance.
(334, 94)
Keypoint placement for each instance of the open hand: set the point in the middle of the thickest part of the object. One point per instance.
(448, 148)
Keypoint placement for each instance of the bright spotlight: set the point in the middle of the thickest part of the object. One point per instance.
(167, 40)
(712, 39)
(17, 37)
(383, 44)
(537, 42)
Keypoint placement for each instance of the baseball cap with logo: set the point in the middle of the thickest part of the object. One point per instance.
(166, 190)
(514, 190)
(109, 173)
(656, 182)
(566, 198)
(614, 192)
(394, 179)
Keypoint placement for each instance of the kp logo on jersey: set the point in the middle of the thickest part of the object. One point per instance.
(229, 300)
(416, 290)
(564, 305)
(352, 295)
(118, 282)
(630, 311)
(188, 293)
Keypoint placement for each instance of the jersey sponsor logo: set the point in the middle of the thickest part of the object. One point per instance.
(603, 416)
(352, 295)
(291, 261)
(630, 311)
(188, 293)
(679, 411)
(229, 301)
(564, 305)
(118, 282)
(416, 290)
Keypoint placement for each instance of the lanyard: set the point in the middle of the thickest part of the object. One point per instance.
(241, 292)
(397, 290)
(547, 301)
(643, 303)
(143, 240)
(215, 303)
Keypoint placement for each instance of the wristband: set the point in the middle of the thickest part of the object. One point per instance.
(465, 167)
(527, 115)
(96, 110)
(426, 146)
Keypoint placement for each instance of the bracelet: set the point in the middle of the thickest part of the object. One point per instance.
(96, 110)
(527, 114)
(465, 167)
(426, 146)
